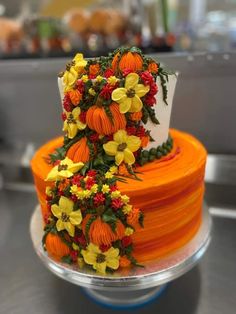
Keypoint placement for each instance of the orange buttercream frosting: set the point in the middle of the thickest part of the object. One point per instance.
(170, 195)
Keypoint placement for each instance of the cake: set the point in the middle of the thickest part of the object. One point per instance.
(120, 188)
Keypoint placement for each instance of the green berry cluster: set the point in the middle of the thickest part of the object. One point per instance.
(156, 153)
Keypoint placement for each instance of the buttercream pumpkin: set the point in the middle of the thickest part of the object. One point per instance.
(79, 151)
(55, 246)
(98, 120)
(128, 60)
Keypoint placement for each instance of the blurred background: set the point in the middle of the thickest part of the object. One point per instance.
(56, 28)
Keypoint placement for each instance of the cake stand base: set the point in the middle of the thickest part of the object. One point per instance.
(125, 300)
(128, 288)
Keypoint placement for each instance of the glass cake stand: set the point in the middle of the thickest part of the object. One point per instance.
(133, 287)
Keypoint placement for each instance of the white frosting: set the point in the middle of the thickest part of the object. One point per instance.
(159, 132)
(162, 111)
(61, 87)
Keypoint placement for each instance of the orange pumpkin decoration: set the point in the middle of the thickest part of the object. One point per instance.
(136, 116)
(129, 60)
(55, 246)
(100, 233)
(97, 119)
(79, 151)
(145, 140)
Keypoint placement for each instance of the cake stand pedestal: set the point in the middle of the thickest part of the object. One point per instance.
(128, 288)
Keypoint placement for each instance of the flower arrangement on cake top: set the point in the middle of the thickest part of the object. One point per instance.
(106, 103)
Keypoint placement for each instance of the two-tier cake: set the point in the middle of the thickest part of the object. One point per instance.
(120, 188)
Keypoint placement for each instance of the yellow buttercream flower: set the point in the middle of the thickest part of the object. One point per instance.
(112, 80)
(72, 123)
(80, 62)
(115, 194)
(108, 175)
(122, 147)
(113, 169)
(125, 199)
(94, 188)
(129, 231)
(127, 209)
(75, 247)
(67, 218)
(65, 169)
(84, 78)
(128, 97)
(74, 189)
(99, 78)
(92, 92)
(101, 260)
(105, 188)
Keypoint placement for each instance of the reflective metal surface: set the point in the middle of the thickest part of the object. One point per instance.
(154, 273)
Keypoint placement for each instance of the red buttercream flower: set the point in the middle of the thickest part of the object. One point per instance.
(140, 131)
(104, 247)
(74, 198)
(106, 91)
(76, 179)
(153, 89)
(73, 255)
(126, 241)
(80, 239)
(92, 173)
(89, 183)
(116, 203)
(113, 188)
(131, 130)
(63, 116)
(94, 137)
(80, 86)
(126, 72)
(147, 78)
(150, 100)
(82, 116)
(46, 217)
(109, 72)
(99, 199)
(67, 105)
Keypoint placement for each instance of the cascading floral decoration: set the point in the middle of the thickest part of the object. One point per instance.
(107, 102)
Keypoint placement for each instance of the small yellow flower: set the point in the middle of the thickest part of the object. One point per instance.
(49, 191)
(128, 97)
(94, 188)
(99, 78)
(65, 169)
(122, 147)
(72, 123)
(75, 247)
(80, 62)
(92, 91)
(82, 194)
(105, 188)
(115, 194)
(108, 175)
(125, 199)
(112, 80)
(67, 218)
(129, 231)
(127, 209)
(74, 189)
(101, 260)
(113, 169)
(84, 78)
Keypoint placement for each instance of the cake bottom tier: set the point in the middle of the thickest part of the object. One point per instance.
(170, 194)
